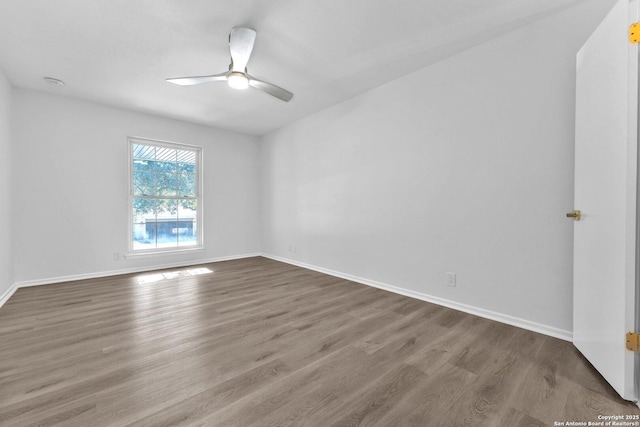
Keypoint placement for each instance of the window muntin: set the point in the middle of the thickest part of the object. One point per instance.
(165, 196)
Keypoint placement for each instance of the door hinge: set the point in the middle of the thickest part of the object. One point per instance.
(633, 342)
(634, 33)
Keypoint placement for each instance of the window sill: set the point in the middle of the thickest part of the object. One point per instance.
(164, 252)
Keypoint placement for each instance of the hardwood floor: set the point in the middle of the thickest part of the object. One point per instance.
(258, 342)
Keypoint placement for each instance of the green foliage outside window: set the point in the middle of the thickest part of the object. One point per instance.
(173, 181)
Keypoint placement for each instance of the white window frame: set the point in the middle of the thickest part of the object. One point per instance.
(132, 140)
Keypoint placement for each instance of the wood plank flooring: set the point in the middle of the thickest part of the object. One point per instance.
(261, 343)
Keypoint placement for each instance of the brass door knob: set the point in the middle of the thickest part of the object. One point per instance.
(575, 215)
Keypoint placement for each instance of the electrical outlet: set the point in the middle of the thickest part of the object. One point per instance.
(117, 256)
(451, 279)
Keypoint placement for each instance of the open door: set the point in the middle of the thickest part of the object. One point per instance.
(606, 194)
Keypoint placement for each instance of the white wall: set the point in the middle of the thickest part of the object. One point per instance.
(71, 187)
(6, 191)
(465, 166)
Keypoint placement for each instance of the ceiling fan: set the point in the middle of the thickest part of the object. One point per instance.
(241, 42)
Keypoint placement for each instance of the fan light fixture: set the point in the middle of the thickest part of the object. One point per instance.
(240, 46)
(238, 80)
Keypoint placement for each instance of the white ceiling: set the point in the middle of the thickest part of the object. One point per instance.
(119, 52)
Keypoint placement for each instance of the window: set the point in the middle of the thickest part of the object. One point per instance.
(165, 196)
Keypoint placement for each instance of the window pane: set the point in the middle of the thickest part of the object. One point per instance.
(187, 184)
(187, 216)
(167, 223)
(186, 156)
(143, 157)
(166, 184)
(144, 224)
(166, 207)
(187, 167)
(143, 183)
(141, 164)
(166, 166)
(164, 154)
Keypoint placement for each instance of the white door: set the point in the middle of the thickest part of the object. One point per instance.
(605, 193)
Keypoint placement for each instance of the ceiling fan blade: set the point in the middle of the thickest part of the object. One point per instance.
(241, 42)
(273, 90)
(198, 80)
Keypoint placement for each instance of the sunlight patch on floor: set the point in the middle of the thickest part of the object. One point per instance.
(157, 277)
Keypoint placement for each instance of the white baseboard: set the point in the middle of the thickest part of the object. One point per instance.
(7, 294)
(488, 314)
(74, 277)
